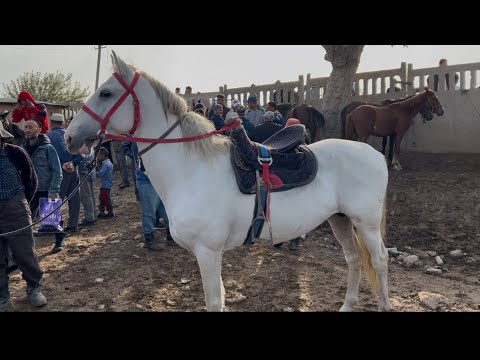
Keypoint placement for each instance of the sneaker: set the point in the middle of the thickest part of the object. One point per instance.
(86, 223)
(70, 229)
(279, 245)
(35, 296)
(159, 226)
(123, 186)
(5, 304)
(58, 247)
(108, 215)
(152, 244)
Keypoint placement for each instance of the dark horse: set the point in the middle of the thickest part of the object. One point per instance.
(392, 119)
(426, 114)
(12, 128)
(311, 118)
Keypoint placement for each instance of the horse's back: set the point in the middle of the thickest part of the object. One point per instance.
(348, 155)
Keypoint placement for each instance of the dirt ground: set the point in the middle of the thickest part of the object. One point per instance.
(433, 205)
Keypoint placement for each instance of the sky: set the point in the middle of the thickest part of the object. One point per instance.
(206, 67)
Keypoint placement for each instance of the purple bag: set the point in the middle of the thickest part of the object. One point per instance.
(51, 223)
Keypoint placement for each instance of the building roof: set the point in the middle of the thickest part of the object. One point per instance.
(14, 101)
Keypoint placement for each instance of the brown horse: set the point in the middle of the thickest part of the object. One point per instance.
(426, 114)
(311, 118)
(395, 119)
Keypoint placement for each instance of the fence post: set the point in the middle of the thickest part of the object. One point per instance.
(410, 78)
(307, 90)
(301, 90)
(404, 78)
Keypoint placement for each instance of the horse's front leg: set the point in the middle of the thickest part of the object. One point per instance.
(210, 263)
(391, 143)
(396, 152)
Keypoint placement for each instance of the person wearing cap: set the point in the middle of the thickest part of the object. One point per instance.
(47, 166)
(247, 125)
(254, 112)
(27, 109)
(235, 103)
(69, 164)
(12, 128)
(200, 109)
(272, 106)
(220, 101)
(217, 117)
(18, 183)
(266, 129)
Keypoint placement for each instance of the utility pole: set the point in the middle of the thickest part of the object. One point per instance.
(99, 48)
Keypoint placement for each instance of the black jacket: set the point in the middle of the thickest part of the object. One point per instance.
(20, 159)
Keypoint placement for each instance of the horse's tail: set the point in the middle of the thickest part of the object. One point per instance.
(365, 254)
(319, 121)
(349, 128)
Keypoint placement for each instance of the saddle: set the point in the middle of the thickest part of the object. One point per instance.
(291, 163)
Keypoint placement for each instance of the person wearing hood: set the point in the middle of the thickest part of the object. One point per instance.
(47, 166)
(27, 108)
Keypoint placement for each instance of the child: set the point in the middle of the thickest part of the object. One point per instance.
(106, 174)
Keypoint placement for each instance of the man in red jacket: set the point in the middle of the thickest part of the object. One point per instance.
(27, 109)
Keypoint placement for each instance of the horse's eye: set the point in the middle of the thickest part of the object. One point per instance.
(105, 93)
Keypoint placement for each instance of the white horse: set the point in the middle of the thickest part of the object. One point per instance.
(207, 212)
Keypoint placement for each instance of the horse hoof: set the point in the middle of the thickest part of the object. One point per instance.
(397, 168)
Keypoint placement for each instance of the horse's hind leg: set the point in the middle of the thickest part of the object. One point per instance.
(371, 235)
(343, 230)
(210, 263)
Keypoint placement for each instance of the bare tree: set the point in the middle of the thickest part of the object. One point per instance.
(345, 60)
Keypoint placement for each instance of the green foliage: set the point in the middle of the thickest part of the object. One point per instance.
(51, 87)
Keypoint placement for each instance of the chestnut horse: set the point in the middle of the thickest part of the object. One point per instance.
(426, 114)
(393, 119)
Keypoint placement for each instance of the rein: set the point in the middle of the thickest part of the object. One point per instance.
(90, 168)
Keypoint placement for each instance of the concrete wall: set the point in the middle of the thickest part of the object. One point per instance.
(457, 131)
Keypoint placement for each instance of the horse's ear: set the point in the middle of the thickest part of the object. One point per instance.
(426, 88)
(120, 66)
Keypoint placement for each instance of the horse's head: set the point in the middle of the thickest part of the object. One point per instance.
(433, 104)
(426, 114)
(110, 108)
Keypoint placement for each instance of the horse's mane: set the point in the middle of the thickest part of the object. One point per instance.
(192, 123)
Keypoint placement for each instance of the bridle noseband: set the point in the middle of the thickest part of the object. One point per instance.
(430, 102)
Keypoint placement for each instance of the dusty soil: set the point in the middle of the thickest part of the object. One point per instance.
(433, 205)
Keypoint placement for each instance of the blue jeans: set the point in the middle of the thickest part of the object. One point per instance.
(152, 206)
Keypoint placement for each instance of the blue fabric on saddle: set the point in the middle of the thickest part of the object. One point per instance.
(293, 165)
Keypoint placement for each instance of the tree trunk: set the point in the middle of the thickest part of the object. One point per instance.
(345, 60)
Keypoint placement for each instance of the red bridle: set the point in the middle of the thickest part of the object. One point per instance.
(136, 119)
(128, 91)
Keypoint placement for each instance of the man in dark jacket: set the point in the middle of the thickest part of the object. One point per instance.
(18, 183)
(266, 129)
